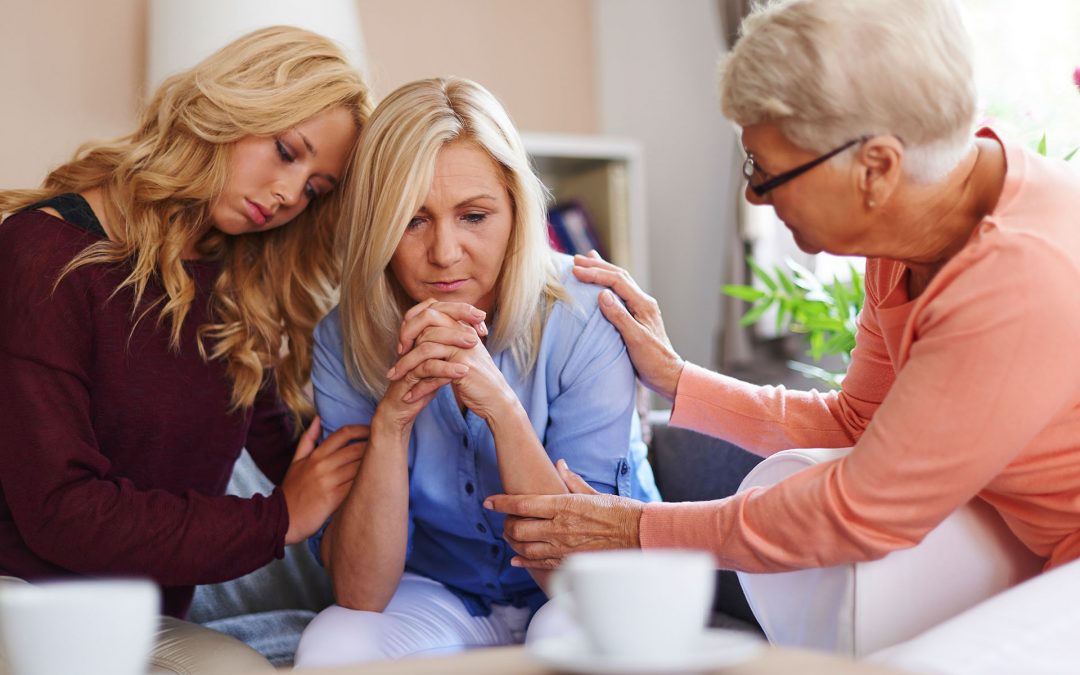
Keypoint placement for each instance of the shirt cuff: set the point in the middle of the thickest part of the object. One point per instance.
(680, 525)
(690, 410)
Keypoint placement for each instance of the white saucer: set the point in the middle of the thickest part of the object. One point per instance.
(717, 648)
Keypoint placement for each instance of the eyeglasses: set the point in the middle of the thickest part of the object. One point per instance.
(749, 168)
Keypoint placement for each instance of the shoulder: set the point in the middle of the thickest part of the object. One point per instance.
(1039, 198)
(41, 239)
(34, 249)
(577, 332)
(1005, 276)
(328, 332)
(581, 300)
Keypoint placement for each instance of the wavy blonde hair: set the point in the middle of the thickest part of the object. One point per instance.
(390, 179)
(159, 184)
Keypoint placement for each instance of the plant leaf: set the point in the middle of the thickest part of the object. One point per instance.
(1072, 154)
(747, 293)
(1042, 145)
(761, 274)
(754, 314)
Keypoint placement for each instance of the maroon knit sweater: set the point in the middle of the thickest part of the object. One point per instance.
(115, 451)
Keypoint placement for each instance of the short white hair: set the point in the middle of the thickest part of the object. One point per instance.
(828, 71)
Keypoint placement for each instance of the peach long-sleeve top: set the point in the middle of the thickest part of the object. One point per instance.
(971, 389)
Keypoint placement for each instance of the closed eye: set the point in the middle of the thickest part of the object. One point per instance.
(284, 152)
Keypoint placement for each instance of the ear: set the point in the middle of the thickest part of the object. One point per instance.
(879, 163)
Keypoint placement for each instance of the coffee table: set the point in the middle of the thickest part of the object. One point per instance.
(515, 661)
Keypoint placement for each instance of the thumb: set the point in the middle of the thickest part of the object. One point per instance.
(307, 442)
(615, 312)
(574, 483)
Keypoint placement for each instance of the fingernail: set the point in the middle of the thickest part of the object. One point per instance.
(390, 373)
(460, 371)
(607, 298)
(400, 349)
(407, 397)
(561, 464)
(479, 313)
(488, 504)
(514, 562)
(483, 329)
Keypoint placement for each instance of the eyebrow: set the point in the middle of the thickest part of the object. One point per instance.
(474, 199)
(315, 153)
(307, 143)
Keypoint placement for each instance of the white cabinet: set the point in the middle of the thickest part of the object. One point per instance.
(606, 175)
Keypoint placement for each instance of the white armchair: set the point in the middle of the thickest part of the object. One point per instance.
(860, 608)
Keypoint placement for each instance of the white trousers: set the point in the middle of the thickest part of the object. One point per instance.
(423, 618)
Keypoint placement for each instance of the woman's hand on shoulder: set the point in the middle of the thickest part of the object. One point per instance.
(320, 476)
(639, 322)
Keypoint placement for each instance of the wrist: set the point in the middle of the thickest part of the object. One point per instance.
(675, 374)
(506, 410)
(635, 510)
(388, 428)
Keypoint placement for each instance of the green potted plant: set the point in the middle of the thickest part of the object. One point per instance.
(825, 312)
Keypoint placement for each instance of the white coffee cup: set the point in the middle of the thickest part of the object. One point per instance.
(84, 627)
(638, 605)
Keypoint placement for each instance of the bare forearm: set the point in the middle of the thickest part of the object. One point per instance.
(364, 546)
(524, 465)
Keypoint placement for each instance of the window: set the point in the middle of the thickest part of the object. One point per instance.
(1027, 55)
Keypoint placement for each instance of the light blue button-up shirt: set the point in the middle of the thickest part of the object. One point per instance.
(580, 400)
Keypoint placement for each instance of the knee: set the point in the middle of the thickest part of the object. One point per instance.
(185, 648)
(339, 636)
(550, 621)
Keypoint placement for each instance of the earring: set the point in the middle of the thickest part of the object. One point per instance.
(870, 203)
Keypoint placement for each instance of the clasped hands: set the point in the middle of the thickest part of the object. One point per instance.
(441, 343)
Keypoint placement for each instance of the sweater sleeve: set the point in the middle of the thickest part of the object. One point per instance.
(271, 439)
(766, 419)
(983, 376)
(69, 506)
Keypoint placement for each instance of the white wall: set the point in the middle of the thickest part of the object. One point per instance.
(656, 78)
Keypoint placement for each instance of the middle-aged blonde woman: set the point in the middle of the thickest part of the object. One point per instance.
(448, 238)
(158, 296)
(857, 117)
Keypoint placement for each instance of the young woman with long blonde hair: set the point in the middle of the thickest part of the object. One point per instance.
(157, 299)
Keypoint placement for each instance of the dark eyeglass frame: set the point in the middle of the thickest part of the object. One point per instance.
(749, 168)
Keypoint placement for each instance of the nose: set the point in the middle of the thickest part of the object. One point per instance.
(753, 197)
(289, 189)
(444, 247)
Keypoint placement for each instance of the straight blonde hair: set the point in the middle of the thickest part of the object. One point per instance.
(160, 182)
(390, 180)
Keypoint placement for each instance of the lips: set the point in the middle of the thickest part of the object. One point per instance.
(447, 286)
(257, 213)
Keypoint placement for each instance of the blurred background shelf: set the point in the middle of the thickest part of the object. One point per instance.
(606, 176)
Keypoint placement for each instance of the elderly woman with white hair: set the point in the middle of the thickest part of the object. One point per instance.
(857, 120)
(448, 236)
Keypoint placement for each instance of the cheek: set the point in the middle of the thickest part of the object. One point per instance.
(405, 262)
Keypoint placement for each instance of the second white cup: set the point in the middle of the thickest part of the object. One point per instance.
(78, 627)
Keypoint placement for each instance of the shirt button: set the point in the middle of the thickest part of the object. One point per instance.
(624, 468)
(469, 489)
(481, 528)
(465, 441)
